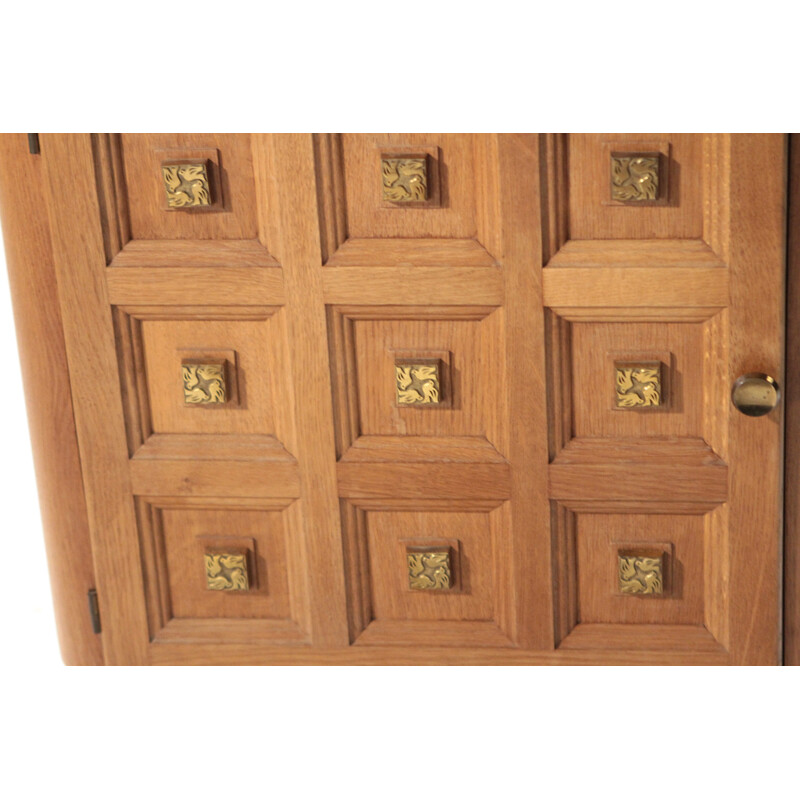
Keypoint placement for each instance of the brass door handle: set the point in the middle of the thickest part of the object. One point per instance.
(755, 394)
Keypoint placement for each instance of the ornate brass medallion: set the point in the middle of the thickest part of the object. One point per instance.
(638, 385)
(418, 384)
(204, 384)
(186, 185)
(641, 574)
(227, 572)
(634, 177)
(405, 180)
(429, 570)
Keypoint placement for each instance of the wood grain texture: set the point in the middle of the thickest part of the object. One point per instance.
(45, 377)
(80, 268)
(187, 253)
(197, 286)
(231, 177)
(791, 653)
(673, 253)
(526, 468)
(411, 253)
(592, 216)
(289, 160)
(620, 287)
(757, 324)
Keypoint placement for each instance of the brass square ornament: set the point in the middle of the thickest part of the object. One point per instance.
(186, 185)
(430, 570)
(634, 177)
(641, 574)
(226, 572)
(418, 384)
(204, 384)
(405, 180)
(638, 385)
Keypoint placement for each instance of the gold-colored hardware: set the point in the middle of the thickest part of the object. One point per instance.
(186, 185)
(204, 384)
(638, 385)
(429, 570)
(634, 177)
(755, 394)
(641, 574)
(418, 384)
(405, 180)
(227, 572)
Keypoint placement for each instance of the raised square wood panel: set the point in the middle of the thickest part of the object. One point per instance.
(599, 539)
(678, 347)
(256, 363)
(176, 535)
(528, 286)
(470, 350)
(230, 174)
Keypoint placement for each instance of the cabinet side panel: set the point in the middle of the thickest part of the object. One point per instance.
(47, 393)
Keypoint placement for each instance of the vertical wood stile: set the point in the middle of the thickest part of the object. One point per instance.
(522, 265)
(79, 255)
(289, 159)
(757, 335)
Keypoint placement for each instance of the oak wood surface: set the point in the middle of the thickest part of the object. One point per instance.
(45, 376)
(791, 652)
(313, 286)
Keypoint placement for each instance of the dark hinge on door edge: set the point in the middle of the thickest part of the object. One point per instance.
(33, 143)
(94, 611)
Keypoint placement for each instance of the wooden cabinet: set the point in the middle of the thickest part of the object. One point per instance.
(405, 398)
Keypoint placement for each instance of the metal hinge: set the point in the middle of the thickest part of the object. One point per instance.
(33, 143)
(94, 611)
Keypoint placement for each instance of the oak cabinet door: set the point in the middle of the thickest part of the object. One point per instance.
(425, 398)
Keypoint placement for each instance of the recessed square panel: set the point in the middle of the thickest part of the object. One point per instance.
(189, 186)
(655, 557)
(637, 379)
(450, 368)
(374, 204)
(635, 187)
(225, 562)
(457, 560)
(206, 376)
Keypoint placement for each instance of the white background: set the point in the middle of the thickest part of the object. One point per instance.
(376, 732)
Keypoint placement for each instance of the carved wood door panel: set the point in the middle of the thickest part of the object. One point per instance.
(425, 398)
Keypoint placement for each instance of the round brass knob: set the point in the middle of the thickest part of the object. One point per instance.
(755, 394)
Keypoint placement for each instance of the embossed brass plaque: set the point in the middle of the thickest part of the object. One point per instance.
(418, 383)
(186, 185)
(634, 177)
(227, 572)
(204, 384)
(405, 180)
(638, 385)
(641, 574)
(429, 570)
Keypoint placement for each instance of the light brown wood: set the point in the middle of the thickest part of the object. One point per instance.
(791, 653)
(91, 354)
(45, 376)
(525, 293)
